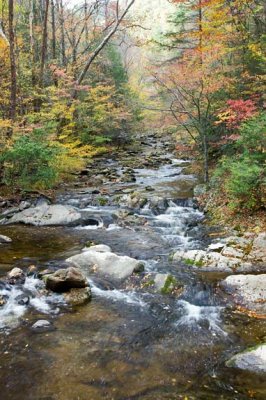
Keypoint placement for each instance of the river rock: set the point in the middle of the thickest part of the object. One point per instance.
(101, 248)
(16, 275)
(5, 239)
(107, 264)
(42, 325)
(65, 279)
(213, 261)
(253, 360)
(78, 297)
(258, 251)
(45, 215)
(248, 291)
(216, 247)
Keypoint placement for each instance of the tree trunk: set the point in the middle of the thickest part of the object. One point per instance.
(62, 32)
(13, 71)
(44, 43)
(53, 30)
(206, 158)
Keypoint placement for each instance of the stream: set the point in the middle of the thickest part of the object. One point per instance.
(129, 342)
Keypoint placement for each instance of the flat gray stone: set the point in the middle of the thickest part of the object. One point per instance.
(251, 360)
(45, 215)
(106, 263)
(248, 291)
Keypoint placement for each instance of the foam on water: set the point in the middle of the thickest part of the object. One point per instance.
(194, 315)
(115, 295)
(12, 311)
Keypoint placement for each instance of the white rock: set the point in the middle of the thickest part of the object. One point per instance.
(249, 291)
(45, 215)
(41, 324)
(5, 239)
(101, 248)
(252, 360)
(106, 263)
(216, 247)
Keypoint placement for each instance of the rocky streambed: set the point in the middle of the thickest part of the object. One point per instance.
(116, 290)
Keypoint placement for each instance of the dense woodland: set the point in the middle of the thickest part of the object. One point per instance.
(66, 93)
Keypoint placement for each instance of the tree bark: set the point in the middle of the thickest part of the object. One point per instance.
(44, 42)
(13, 70)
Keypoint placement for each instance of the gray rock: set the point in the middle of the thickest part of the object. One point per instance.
(5, 239)
(78, 297)
(213, 261)
(42, 325)
(24, 204)
(258, 252)
(248, 291)
(107, 264)
(65, 279)
(45, 215)
(232, 252)
(253, 360)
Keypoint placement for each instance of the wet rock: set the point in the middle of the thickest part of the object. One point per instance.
(253, 360)
(23, 205)
(45, 215)
(78, 297)
(10, 212)
(22, 299)
(16, 275)
(213, 261)
(107, 263)
(5, 239)
(32, 270)
(165, 283)
(248, 291)
(65, 279)
(42, 325)
(101, 248)
(3, 300)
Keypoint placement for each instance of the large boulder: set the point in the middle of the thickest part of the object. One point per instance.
(45, 215)
(65, 279)
(106, 263)
(212, 261)
(251, 360)
(248, 292)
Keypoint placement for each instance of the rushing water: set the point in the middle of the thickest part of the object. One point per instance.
(128, 343)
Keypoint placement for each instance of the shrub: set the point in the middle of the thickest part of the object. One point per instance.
(29, 162)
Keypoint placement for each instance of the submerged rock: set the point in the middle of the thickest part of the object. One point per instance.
(5, 239)
(106, 263)
(253, 360)
(78, 297)
(42, 325)
(45, 215)
(248, 292)
(65, 279)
